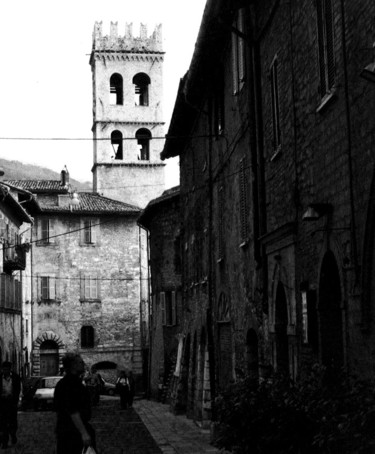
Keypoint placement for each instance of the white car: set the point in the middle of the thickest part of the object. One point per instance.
(43, 397)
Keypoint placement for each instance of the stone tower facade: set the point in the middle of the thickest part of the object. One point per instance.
(127, 114)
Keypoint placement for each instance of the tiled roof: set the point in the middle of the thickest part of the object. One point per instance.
(93, 203)
(90, 202)
(19, 210)
(154, 204)
(38, 186)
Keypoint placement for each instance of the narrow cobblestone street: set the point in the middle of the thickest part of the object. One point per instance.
(148, 428)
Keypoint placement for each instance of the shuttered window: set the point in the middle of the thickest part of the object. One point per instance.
(275, 104)
(325, 46)
(47, 288)
(90, 288)
(46, 234)
(238, 53)
(89, 231)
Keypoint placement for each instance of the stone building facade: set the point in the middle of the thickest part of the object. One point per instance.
(161, 219)
(14, 220)
(276, 192)
(86, 280)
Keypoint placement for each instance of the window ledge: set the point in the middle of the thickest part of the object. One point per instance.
(43, 301)
(45, 243)
(326, 100)
(88, 244)
(90, 300)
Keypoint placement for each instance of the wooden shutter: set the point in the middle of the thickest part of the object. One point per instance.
(98, 288)
(87, 288)
(235, 74)
(94, 228)
(52, 231)
(82, 286)
(44, 287)
(52, 288)
(162, 308)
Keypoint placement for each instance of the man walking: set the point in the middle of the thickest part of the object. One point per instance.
(10, 388)
(72, 404)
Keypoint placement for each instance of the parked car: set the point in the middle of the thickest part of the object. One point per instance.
(43, 397)
(108, 389)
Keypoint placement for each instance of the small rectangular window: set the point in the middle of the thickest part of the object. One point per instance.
(89, 231)
(90, 288)
(87, 337)
(47, 288)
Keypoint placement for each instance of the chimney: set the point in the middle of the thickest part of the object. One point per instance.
(64, 177)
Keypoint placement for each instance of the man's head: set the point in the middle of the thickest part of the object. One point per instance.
(6, 367)
(73, 364)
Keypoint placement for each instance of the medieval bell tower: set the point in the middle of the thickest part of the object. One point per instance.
(127, 114)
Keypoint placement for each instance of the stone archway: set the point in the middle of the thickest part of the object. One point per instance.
(48, 349)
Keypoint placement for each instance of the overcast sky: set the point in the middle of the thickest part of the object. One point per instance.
(45, 77)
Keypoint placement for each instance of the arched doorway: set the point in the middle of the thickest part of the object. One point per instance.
(49, 358)
(281, 335)
(330, 316)
(252, 358)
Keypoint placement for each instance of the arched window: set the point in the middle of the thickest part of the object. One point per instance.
(87, 337)
(143, 137)
(116, 142)
(141, 82)
(116, 90)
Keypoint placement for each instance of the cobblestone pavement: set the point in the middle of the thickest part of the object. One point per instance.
(148, 428)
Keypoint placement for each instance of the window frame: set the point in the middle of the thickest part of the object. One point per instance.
(47, 231)
(87, 336)
(90, 288)
(238, 53)
(47, 288)
(326, 50)
(116, 89)
(89, 232)
(275, 104)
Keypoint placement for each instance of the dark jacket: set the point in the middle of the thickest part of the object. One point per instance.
(16, 386)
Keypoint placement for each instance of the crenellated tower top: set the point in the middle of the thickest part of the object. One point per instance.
(128, 43)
